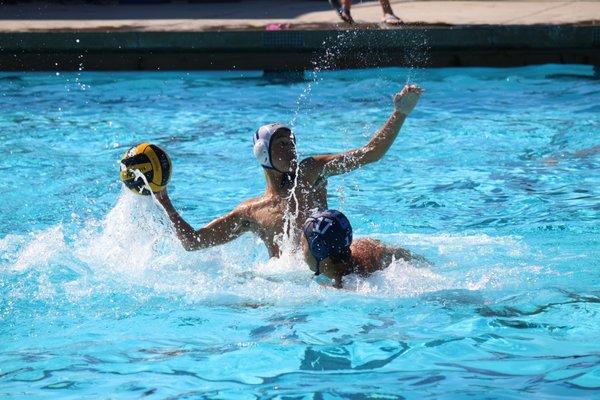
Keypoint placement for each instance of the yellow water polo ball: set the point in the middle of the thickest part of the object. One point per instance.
(145, 166)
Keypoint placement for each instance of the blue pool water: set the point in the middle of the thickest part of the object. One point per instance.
(494, 178)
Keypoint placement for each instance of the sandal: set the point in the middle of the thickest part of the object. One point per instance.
(343, 12)
(391, 19)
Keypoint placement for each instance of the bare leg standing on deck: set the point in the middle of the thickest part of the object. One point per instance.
(343, 9)
(389, 18)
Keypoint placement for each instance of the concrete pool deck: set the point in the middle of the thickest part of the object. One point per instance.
(272, 35)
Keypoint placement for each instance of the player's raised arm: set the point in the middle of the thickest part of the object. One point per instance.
(335, 164)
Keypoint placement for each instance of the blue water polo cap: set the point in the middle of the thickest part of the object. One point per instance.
(262, 142)
(328, 233)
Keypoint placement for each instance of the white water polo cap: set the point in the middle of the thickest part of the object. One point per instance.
(262, 142)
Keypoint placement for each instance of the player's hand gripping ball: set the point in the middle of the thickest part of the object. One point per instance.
(145, 167)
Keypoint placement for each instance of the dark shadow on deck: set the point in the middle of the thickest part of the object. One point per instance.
(246, 9)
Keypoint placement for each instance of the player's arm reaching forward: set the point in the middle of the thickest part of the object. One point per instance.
(219, 231)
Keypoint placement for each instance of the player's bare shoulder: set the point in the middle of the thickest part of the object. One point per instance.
(368, 247)
(254, 208)
(310, 170)
(309, 166)
(368, 255)
(248, 207)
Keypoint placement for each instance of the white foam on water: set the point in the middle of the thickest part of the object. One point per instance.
(43, 249)
(136, 245)
(131, 239)
(445, 243)
(400, 278)
(133, 250)
(10, 246)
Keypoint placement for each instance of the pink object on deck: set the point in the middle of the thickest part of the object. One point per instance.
(276, 27)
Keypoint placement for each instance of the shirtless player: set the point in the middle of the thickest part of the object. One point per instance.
(291, 187)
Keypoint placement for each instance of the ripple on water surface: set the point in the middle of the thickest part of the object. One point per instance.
(493, 178)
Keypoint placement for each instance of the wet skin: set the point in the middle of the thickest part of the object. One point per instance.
(367, 256)
(264, 215)
(301, 195)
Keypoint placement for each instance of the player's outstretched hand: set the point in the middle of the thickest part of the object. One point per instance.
(407, 98)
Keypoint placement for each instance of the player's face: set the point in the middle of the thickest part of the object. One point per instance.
(283, 152)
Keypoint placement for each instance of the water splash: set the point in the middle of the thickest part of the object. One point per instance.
(134, 252)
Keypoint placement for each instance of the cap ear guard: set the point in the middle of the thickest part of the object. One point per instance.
(262, 153)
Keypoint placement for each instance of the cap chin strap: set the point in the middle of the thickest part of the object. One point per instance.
(286, 177)
(318, 271)
(274, 169)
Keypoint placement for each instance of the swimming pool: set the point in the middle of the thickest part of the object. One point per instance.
(493, 178)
